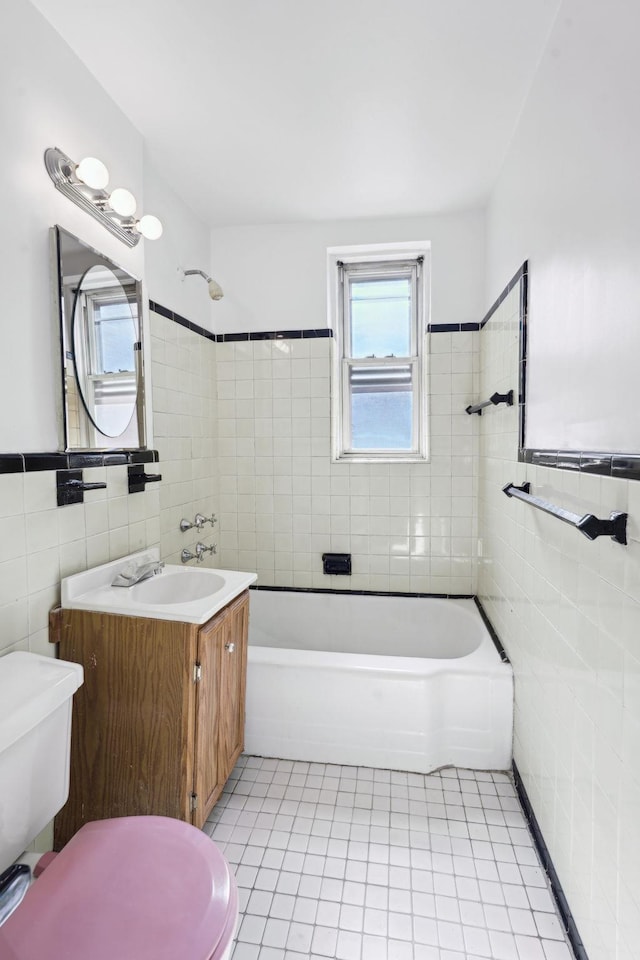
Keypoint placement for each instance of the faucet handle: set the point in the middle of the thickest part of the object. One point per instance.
(200, 520)
(201, 549)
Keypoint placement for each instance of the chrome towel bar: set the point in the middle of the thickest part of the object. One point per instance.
(592, 527)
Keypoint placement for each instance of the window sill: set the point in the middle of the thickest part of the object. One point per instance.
(382, 458)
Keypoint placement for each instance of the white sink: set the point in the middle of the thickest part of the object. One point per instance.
(179, 586)
(188, 594)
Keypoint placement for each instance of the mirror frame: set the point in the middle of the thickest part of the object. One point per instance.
(65, 331)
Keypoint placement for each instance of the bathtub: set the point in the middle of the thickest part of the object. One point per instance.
(404, 683)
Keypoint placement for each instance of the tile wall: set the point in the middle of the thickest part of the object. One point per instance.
(185, 433)
(40, 543)
(568, 612)
(409, 527)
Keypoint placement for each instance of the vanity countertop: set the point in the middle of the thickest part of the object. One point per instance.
(185, 594)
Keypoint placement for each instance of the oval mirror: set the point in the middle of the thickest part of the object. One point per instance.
(104, 335)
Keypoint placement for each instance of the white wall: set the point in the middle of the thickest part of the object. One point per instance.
(568, 199)
(47, 98)
(275, 277)
(185, 244)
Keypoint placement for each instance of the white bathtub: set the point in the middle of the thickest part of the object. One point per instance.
(405, 683)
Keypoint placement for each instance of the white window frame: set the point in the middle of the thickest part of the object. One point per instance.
(416, 268)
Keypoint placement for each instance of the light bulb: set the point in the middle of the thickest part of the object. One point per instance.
(149, 226)
(93, 172)
(123, 202)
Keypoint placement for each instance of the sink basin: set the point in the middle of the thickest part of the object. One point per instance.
(177, 593)
(179, 587)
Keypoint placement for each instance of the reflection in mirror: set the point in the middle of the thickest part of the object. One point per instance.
(100, 324)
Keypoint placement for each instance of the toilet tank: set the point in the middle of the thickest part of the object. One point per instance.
(35, 739)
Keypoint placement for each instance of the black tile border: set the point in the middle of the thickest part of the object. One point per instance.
(76, 460)
(497, 642)
(177, 318)
(616, 465)
(452, 327)
(11, 463)
(520, 272)
(545, 857)
(308, 334)
(364, 593)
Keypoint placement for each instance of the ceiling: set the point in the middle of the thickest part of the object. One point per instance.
(263, 111)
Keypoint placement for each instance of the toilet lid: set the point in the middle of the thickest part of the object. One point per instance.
(130, 888)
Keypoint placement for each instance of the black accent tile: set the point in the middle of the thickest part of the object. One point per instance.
(317, 334)
(78, 461)
(142, 456)
(182, 321)
(239, 337)
(597, 463)
(11, 463)
(116, 459)
(443, 328)
(163, 311)
(545, 857)
(365, 593)
(521, 272)
(494, 636)
(545, 458)
(45, 461)
(234, 337)
(625, 467)
(567, 460)
(469, 326)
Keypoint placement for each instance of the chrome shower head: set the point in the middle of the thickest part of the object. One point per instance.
(215, 290)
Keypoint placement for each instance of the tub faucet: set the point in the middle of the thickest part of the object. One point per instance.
(201, 549)
(131, 574)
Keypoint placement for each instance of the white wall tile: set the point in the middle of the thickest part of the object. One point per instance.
(365, 509)
(568, 613)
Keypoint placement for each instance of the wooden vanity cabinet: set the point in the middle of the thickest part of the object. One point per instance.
(159, 722)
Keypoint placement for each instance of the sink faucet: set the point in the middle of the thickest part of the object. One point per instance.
(131, 574)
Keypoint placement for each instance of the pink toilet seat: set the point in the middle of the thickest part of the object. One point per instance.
(133, 888)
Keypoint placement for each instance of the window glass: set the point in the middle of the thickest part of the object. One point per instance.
(114, 343)
(380, 317)
(381, 408)
(379, 364)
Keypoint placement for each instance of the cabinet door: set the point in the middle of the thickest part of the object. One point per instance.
(207, 783)
(220, 700)
(233, 671)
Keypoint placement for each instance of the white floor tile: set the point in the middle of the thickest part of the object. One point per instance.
(351, 863)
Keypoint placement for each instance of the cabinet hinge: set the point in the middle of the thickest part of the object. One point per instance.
(193, 802)
(197, 672)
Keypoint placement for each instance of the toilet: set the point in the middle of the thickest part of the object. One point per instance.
(131, 888)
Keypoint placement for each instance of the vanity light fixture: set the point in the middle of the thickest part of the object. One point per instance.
(85, 183)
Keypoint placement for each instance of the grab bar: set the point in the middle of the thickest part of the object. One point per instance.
(493, 400)
(591, 526)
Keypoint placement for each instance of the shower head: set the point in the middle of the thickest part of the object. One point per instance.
(215, 290)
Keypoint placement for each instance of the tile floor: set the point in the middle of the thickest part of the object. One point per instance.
(361, 864)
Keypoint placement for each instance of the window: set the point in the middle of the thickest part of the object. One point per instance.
(380, 389)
